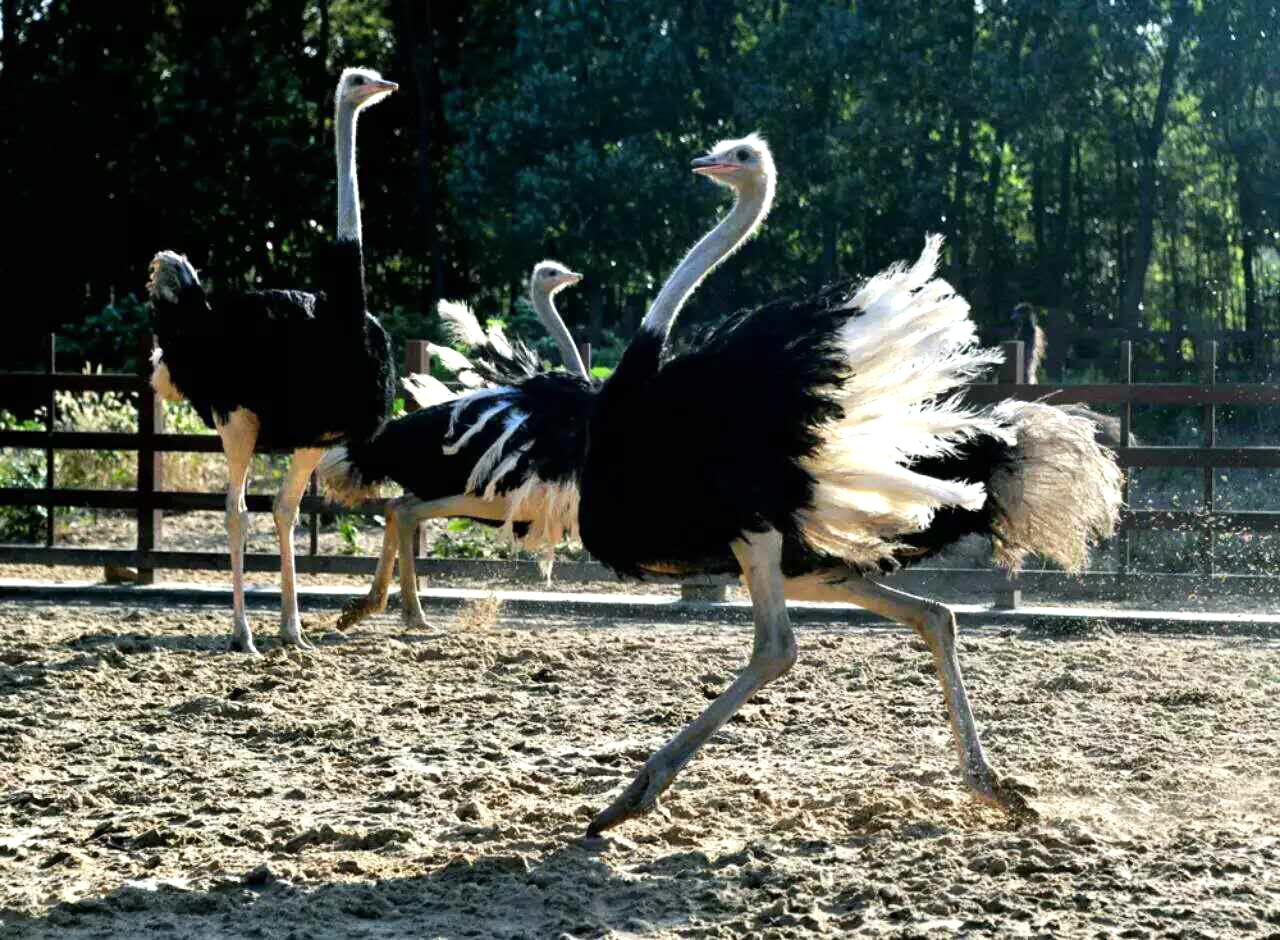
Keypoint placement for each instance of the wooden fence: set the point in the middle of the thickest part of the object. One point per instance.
(148, 501)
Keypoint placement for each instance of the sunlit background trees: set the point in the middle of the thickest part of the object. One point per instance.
(1115, 163)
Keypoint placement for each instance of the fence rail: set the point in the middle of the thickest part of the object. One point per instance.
(149, 500)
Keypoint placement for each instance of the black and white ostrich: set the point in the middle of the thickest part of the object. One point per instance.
(811, 444)
(506, 454)
(280, 370)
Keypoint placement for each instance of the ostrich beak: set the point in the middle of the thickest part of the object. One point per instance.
(710, 166)
(376, 90)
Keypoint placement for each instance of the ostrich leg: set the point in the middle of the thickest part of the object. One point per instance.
(375, 602)
(403, 516)
(285, 510)
(411, 511)
(773, 653)
(239, 433)
(936, 625)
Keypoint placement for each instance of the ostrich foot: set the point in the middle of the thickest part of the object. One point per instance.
(639, 798)
(358, 609)
(417, 620)
(1004, 795)
(170, 273)
(242, 639)
(291, 635)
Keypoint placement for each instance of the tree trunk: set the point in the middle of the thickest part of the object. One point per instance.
(324, 78)
(420, 38)
(1247, 208)
(964, 150)
(989, 249)
(1149, 145)
(1060, 256)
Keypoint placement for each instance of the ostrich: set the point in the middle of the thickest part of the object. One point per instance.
(812, 443)
(1027, 328)
(280, 370)
(494, 359)
(506, 454)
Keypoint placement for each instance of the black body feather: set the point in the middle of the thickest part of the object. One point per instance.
(312, 367)
(499, 367)
(553, 406)
(686, 455)
(639, 517)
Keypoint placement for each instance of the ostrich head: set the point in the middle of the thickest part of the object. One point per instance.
(360, 87)
(738, 163)
(552, 276)
(1023, 315)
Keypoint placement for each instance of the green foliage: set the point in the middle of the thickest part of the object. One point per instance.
(114, 334)
(350, 531)
(21, 469)
(1035, 136)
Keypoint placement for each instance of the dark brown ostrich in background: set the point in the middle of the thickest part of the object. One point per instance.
(1026, 327)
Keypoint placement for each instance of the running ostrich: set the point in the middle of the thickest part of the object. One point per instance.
(810, 444)
(505, 455)
(280, 370)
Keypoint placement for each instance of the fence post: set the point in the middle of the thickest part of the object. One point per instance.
(1008, 595)
(1126, 422)
(584, 350)
(51, 404)
(150, 461)
(1208, 539)
(417, 358)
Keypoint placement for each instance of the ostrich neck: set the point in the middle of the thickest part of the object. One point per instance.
(348, 192)
(545, 308)
(749, 209)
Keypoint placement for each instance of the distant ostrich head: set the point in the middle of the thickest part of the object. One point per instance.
(738, 163)
(1023, 314)
(551, 276)
(358, 88)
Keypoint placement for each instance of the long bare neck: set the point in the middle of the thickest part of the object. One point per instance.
(348, 191)
(545, 308)
(751, 206)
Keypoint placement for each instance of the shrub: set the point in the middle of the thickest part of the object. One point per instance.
(21, 469)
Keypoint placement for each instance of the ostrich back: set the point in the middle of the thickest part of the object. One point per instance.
(686, 455)
(312, 367)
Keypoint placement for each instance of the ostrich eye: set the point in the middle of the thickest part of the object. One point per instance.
(358, 80)
(743, 155)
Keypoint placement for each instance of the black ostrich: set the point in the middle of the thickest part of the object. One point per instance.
(280, 370)
(811, 444)
(507, 454)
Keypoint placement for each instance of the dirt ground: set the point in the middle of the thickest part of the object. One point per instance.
(439, 784)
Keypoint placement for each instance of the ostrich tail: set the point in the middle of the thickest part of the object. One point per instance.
(463, 327)
(1061, 492)
(344, 474)
(905, 346)
(425, 390)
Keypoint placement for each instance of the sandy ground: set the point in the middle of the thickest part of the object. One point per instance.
(438, 784)
(206, 532)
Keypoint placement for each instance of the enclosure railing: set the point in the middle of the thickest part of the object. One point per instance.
(148, 500)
